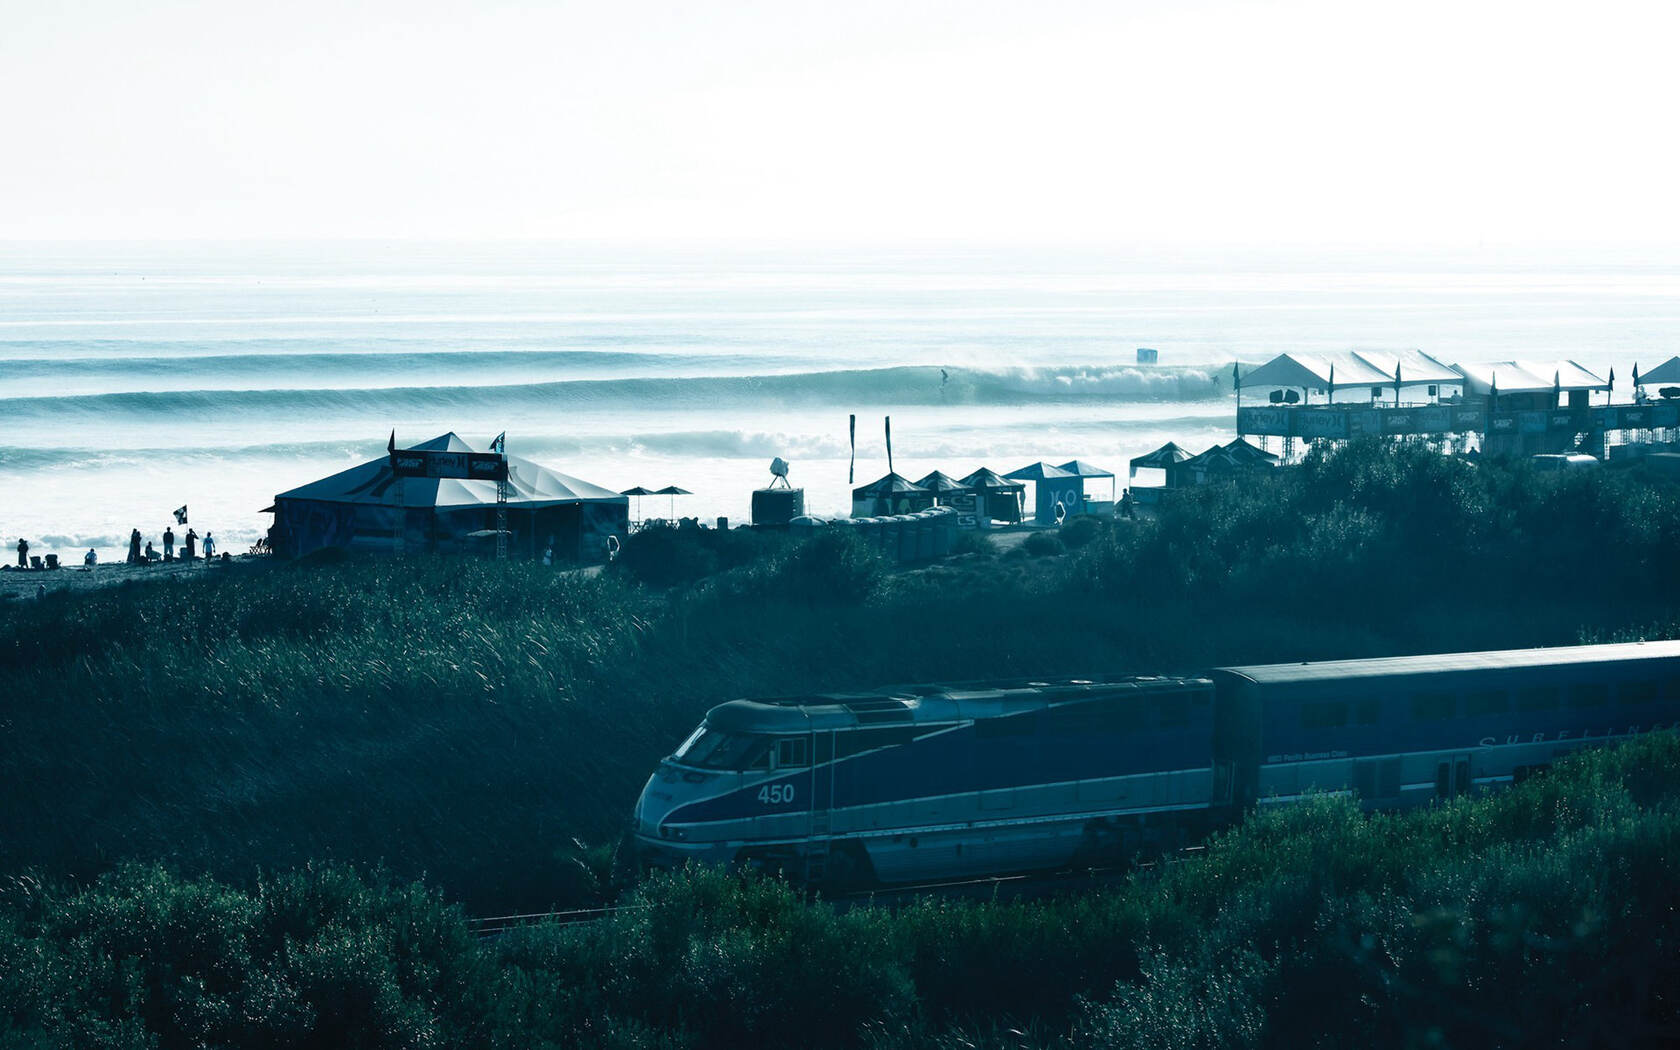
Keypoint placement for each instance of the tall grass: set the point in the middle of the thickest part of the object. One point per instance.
(466, 721)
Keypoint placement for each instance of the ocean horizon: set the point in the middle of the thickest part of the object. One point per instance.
(136, 378)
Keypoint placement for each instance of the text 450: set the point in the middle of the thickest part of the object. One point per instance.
(776, 794)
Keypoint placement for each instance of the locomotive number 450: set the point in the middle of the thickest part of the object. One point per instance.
(775, 794)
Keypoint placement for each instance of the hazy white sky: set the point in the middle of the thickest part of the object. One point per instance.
(1190, 120)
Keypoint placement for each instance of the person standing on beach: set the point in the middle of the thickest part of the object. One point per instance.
(209, 545)
(23, 553)
(134, 547)
(151, 553)
(191, 553)
(168, 544)
(90, 559)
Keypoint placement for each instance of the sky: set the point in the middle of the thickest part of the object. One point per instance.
(1195, 121)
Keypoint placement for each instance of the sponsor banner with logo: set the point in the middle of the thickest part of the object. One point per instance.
(421, 463)
(1326, 424)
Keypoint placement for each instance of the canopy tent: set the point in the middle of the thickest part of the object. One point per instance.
(1085, 470)
(1161, 459)
(1243, 452)
(369, 507)
(1351, 370)
(1528, 377)
(938, 481)
(1088, 472)
(892, 494)
(1237, 457)
(991, 479)
(999, 498)
(1052, 486)
(1040, 471)
(942, 485)
(1667, 372)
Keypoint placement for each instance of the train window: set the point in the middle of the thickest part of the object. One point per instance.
(857, 741)
(1487, 702)
(791, 753)
(1432, 706)
(1328, 715)
(1637, 692)
(713, 749)
(1172, 711)
(1537, 698)
(1013, 725)
(1589, 694)
(1368, 712)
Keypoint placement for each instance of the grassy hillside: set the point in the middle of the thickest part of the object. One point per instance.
(464, 722)
(1543, 916)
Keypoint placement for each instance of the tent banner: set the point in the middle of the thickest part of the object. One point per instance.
(1322, 425)
(1468, 418)
(1434, 419)
(475, 466)
(1398, 421)
(1274, 421)
(1364, 421)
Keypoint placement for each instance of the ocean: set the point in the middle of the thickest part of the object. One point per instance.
(138, 378)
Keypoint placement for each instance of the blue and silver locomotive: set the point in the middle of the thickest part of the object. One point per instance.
(934, 782)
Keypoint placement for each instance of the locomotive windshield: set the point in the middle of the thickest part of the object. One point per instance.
(714, 749)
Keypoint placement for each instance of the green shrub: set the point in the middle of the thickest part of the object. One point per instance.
(1080, 531)
(1043, 544)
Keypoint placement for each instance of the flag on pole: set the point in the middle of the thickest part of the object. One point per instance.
(889, 445)
(1332, 394)
(853, 464)
(391, 446)
(499, 445)
(181, 515)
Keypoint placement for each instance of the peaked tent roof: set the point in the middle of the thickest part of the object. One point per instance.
(985, 478)
(1085, 470)
(1242, 450)
(1354, 368)
(938, 481)
(1237, 456)
(892, 485)
(1161, 458)
(1667, 372)
(1040, 471)
(1528, 377)
(529, 484)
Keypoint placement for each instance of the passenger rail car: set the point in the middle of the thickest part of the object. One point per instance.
(932, 782)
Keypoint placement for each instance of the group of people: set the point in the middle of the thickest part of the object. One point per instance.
(189, 548)
(137, 556)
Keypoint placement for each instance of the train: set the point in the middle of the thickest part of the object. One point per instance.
(923, 783)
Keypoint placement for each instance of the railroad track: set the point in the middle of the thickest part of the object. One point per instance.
(988, 887)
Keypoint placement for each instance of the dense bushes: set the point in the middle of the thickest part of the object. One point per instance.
(465, 721)
(1545, 915)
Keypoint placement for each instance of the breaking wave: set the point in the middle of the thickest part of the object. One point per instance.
(858, 388)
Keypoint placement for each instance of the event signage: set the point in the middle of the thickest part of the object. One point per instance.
(424, 463)
(1322, 425)
(967, 506)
